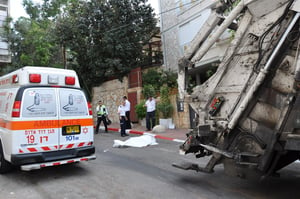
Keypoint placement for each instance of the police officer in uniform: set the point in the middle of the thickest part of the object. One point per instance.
(102, 114)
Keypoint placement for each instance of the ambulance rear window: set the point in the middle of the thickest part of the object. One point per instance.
(39, 102)
(72, 102)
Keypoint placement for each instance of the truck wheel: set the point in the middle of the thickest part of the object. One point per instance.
(4, 165)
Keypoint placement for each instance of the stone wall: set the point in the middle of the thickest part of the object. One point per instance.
(111, 93)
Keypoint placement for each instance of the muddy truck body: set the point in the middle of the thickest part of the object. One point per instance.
(248, 111)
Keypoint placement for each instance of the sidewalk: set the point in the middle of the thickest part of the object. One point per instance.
(177, 135)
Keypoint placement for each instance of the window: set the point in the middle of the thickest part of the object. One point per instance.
(72, 102)
(39, 103)
(4, 2)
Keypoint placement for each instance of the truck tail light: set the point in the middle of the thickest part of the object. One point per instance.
(16, 109)
(35, 78)
(90, 108)
(69, 80)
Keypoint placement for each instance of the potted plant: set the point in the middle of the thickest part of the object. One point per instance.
(165, 108)
(140, 110)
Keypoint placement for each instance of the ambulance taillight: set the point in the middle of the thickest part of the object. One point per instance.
(16, 109)
(69, 80)
(15, 79)
(90, 108)
(35, 78)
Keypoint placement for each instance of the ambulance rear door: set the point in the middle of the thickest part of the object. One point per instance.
(37, 127)
(75, 119)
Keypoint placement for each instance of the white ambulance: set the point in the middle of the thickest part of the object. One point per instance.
(45, 119)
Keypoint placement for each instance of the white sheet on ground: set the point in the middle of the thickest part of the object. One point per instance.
(141, 141)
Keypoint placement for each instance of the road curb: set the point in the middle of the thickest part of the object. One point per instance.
(135, 132)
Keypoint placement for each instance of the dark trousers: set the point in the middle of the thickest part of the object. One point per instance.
(150, 120)
(99, 119)
(128, 122)
(123, 125)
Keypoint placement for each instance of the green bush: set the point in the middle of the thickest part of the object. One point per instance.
(165, 109)
(169, 78)
(164, 106)
(157, 79)
(148, 91)
(152, 77)
(140, 110)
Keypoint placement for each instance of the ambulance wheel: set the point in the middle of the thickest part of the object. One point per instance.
(4, 165)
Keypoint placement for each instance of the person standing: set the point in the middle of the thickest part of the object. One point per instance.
(150, 115)
(102, 114)
(122, 116)
(127, 112)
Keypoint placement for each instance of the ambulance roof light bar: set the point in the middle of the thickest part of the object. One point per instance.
(41, 75)
(52, 79)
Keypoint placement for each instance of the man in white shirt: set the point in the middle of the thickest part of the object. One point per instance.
(150, 115)
(127, 109)
(122, 115)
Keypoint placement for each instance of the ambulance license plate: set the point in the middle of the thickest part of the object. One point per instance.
(72, 129)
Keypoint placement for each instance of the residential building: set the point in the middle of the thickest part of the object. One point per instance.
(5, 56)
(180, 21)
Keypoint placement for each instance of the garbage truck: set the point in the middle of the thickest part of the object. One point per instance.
(248, 111)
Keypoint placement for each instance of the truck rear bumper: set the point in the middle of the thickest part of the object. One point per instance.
(45, 157)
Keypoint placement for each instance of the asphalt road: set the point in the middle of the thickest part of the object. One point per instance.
(141, 173)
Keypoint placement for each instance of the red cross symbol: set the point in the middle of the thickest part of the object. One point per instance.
(85, 130)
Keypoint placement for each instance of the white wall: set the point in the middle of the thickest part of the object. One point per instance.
(180, 21)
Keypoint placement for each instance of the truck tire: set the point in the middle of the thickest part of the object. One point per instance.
(4, 165)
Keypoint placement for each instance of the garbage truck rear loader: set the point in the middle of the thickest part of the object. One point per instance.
(248, 112)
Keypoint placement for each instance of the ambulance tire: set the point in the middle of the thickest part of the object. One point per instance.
(4, 165)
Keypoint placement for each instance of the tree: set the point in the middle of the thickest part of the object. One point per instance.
(105, 37)
(158, 78)
(31, 39)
